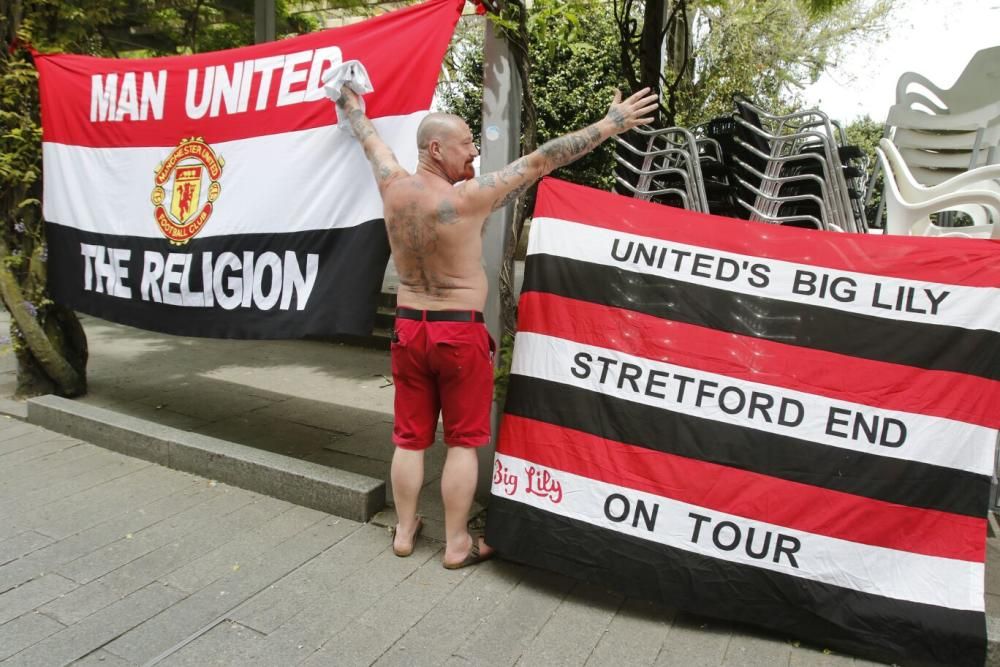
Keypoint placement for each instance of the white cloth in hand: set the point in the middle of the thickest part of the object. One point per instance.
(351, 73)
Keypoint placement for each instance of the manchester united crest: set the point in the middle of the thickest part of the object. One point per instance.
(186, 187)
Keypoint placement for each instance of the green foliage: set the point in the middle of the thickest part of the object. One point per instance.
(865, 133)
(21, 230)
(768, 49)
(501, 369)
(574, 60)
(140, 28)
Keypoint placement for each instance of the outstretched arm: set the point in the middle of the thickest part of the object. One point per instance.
(497, 189)
(381, 157)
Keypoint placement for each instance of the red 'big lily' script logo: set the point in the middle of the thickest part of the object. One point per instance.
(538, 482)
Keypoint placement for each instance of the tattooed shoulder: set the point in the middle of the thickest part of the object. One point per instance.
(446, 213)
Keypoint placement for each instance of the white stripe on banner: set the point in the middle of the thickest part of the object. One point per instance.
(763, 407)
(297, 181)
(876, 296)
(890, 573)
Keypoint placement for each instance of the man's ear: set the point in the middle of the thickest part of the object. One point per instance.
(434, 149)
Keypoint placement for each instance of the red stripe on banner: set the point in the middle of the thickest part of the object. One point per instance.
(957, 396)
(955, 261)
(401, 50)
(746, 494)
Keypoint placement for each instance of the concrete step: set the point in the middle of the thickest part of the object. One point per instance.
(387, 299)
(347, 494)
(381, 335)
(385, 316)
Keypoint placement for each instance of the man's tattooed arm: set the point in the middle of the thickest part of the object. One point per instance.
(384, 163)
(508, 183)
(492, 191)
(505, 186)
(362, 127)
(563, 150)
(616, 117)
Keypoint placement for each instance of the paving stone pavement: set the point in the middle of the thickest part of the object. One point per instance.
(108, 560)
(111, 560)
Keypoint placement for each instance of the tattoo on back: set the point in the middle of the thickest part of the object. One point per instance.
(447, 215)
(417, 235)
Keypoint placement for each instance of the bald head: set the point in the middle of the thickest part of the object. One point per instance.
(440, 127)
(445, 147)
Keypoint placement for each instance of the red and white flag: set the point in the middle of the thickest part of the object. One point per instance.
(214, 194)
(788, 428)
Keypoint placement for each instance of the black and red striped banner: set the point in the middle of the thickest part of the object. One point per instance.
(770, 425)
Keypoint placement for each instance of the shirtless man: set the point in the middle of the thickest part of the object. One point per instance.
(442, 353)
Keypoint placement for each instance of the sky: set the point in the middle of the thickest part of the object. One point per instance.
(935, 38)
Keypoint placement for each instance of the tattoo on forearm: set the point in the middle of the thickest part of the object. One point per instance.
(380, 156)
(616, 117)
(563, 150)
(360, 124)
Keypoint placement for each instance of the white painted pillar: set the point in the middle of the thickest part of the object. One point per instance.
(501, 143)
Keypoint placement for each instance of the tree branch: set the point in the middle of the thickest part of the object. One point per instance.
(52, 362)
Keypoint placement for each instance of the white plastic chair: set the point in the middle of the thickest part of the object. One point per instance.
(947, 131)
(974, 88)
(910, 204)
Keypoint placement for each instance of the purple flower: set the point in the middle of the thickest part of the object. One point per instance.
(44, 255)
(19, 227)
(30, 307)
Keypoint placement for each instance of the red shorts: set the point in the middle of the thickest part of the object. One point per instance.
(444, 367)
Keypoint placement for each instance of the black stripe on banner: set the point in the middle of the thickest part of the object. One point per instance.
(858, 473)
(859, 623)
(350, 266)
(936, 347)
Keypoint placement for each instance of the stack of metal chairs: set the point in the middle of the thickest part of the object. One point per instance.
(662, 165)
(797, 169)
(793, 169)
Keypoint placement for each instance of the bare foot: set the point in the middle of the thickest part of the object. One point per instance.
(403, 547)
(478, 552)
